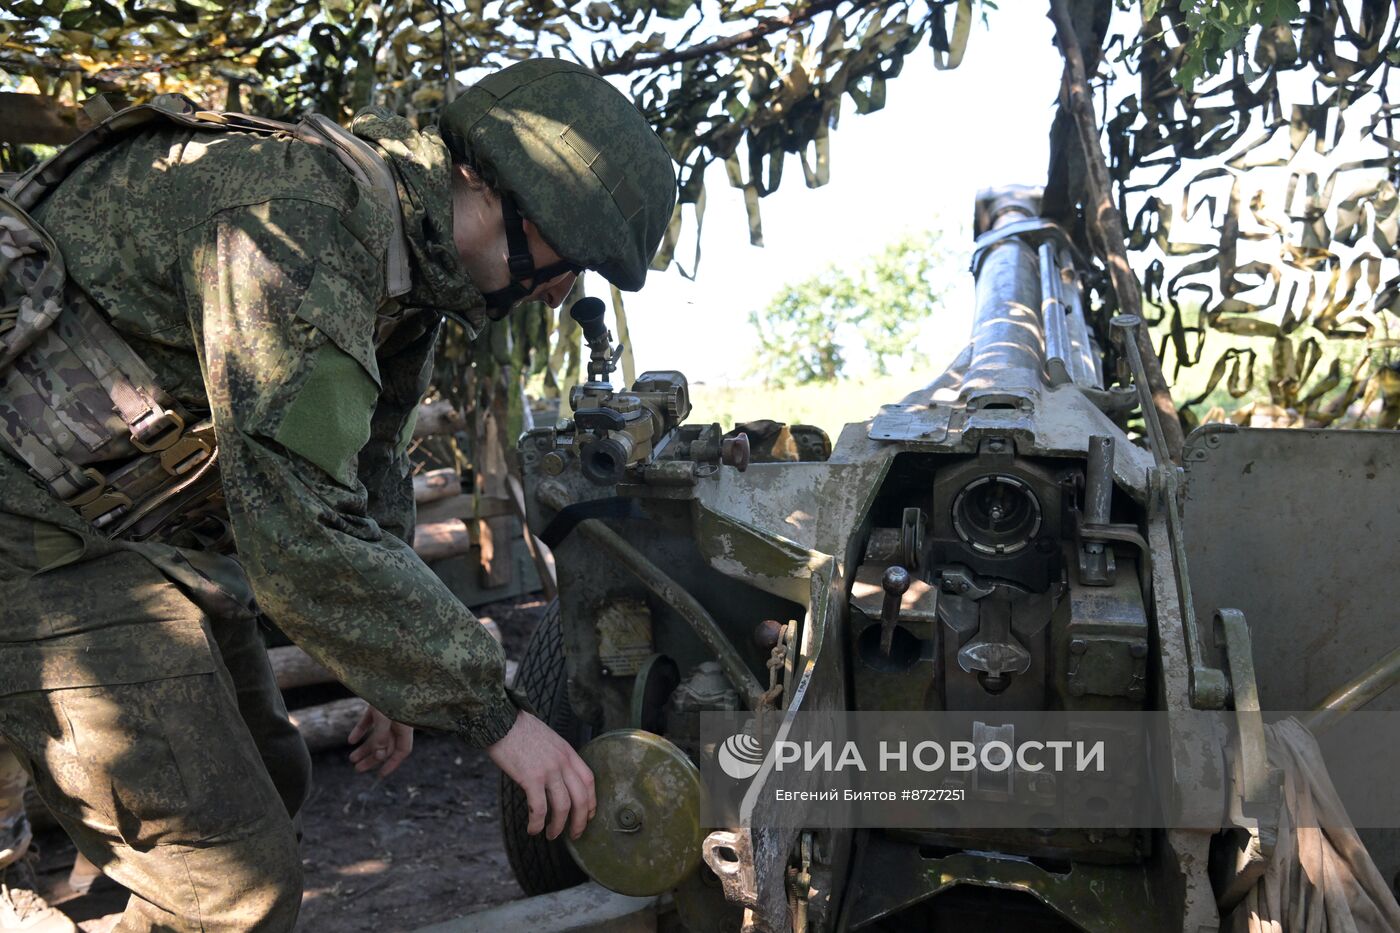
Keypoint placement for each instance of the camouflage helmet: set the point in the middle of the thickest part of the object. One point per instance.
(576, 156)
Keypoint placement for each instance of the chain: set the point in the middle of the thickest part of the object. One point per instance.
(777, 661)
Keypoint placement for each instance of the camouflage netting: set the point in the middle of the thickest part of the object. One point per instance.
(1261, 201)
(1263, 204)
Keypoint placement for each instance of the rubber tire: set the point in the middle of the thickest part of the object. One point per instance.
(541, 865)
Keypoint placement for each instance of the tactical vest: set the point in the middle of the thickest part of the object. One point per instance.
(78, 406)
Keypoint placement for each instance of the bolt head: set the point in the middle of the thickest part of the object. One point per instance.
(553, 463)
(767, 634)
(1138, 649)
(1078, 646)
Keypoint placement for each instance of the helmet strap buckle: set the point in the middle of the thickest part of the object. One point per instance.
(524, 276)
(520, 261)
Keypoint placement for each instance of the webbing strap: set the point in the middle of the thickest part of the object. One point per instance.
(354, 153)
(372, 171)
(35, 311)
(50, 468)
(520, 262)
(129, 382)
(624, 193)
(524, 277)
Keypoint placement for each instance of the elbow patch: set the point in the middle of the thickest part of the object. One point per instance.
(405, 437)
(328, 420)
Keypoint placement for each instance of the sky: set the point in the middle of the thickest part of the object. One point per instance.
(915, 165)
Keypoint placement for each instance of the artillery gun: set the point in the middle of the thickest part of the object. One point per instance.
(995, 541)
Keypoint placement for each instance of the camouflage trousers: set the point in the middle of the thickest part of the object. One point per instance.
(154, 732)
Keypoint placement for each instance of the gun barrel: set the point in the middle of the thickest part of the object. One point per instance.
(1008, 341)
(1059, 355)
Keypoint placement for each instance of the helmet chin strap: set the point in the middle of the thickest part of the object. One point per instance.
(524, 277)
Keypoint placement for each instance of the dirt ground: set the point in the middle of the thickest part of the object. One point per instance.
(420, 847)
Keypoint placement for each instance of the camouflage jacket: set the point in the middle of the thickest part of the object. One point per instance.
(248, 272)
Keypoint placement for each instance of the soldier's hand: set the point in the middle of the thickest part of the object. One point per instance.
(386, 743)
(554, 778)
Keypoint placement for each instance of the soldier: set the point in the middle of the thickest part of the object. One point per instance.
(259, 279)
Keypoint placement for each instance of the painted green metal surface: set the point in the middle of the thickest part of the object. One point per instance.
(646, 836)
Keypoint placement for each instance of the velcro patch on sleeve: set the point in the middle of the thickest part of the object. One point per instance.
(327, 421)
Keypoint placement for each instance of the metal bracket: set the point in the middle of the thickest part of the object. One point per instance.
(1257, 789)
(730, 856)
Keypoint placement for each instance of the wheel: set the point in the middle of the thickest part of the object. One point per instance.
(541, 865)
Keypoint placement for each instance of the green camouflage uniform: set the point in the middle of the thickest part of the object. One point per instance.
(248, 271)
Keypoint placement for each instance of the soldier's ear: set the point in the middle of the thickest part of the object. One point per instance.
(476, 211)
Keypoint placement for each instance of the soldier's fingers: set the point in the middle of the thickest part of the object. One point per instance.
(578, 804)
(392, 764)
(585, 778)
(376, 747)
(403, 744)
(361, 727)
(366, 750)
(535, 803)
(558, 793)
(372, 760)
(403, 738)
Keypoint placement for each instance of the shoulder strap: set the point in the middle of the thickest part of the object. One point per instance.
(369, 167)
(41, 321)
(358, 156)
(35, 184)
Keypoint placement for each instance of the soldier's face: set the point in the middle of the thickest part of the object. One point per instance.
(479, 233)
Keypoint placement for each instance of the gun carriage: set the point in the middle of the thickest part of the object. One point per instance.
(995, 541)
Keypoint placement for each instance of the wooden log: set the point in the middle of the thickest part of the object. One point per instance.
(436, 484)
(497, 557)
(464, 506)
(439, 417)
(441, 540)
(539, 552)
(491, 627)
(326, 726)
(293, 667)
(32, 118)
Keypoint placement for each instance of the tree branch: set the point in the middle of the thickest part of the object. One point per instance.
(107, 79)
(1105, 221)
(626, 64)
